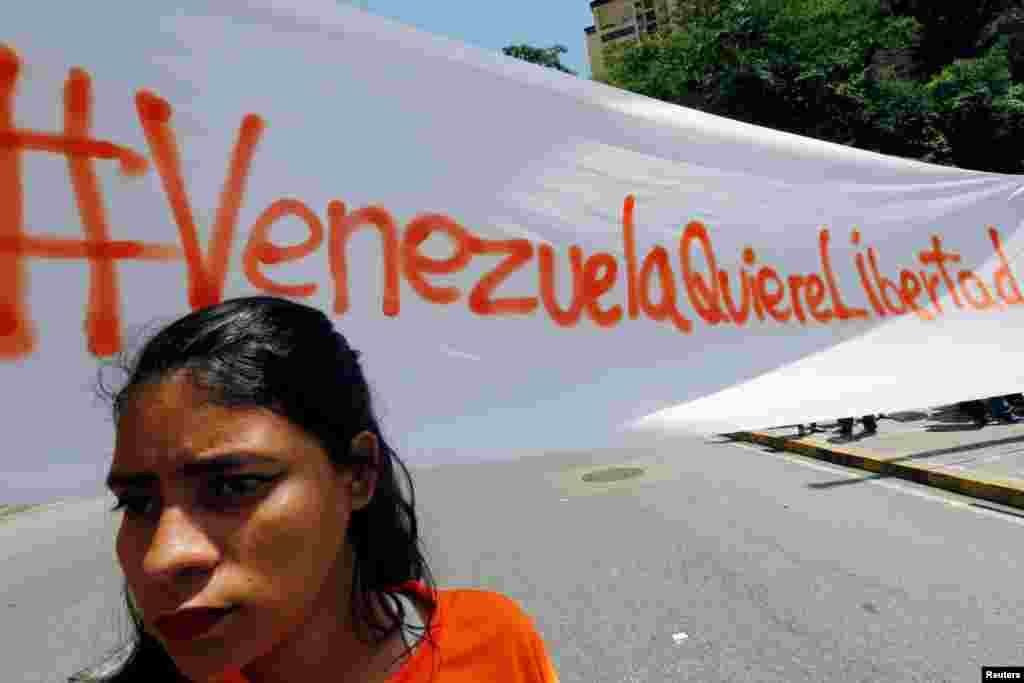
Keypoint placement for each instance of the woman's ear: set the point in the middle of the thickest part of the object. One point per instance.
(364, 475)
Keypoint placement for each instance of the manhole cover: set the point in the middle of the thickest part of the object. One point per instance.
(613, 474)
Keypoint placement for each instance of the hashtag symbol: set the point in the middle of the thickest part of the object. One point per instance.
(102, 321)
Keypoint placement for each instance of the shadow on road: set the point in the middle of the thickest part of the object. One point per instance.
(844, 482)
(839, 438)
(970, 427)
(907, 416)
(950, 415)
(920, 456)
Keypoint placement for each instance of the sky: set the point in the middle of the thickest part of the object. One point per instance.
(494, 25)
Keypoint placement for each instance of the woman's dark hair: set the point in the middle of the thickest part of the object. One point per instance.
(276, 354)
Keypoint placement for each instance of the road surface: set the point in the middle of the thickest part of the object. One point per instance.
(720, 562)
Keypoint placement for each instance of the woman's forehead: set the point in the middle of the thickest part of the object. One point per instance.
(174, 421)
(177, 388)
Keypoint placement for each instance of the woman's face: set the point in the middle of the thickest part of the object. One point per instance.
(237, 508)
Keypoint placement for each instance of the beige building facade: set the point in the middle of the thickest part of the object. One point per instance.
(617, 21)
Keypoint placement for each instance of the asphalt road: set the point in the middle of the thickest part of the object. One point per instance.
(719, 563)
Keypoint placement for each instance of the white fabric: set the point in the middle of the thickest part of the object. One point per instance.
(365, 111)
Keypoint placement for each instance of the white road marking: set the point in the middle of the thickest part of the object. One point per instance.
(679, 637)
(894, 485)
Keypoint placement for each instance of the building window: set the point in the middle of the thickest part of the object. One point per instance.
(627, 31)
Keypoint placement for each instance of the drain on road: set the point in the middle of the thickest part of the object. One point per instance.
(611, 474)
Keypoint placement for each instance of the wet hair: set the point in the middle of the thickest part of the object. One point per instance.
(284, 356)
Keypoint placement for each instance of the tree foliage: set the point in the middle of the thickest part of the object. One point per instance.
(949, 30)
(813, 67)
(544, 56)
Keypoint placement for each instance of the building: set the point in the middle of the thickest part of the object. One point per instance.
(617, 21)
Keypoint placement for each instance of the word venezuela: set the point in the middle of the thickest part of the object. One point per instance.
(652, 289)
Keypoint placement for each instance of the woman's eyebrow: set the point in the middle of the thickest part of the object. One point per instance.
(193, 468)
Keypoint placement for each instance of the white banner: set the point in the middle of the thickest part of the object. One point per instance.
(535, 261)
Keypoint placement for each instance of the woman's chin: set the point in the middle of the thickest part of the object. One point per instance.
(203, 659)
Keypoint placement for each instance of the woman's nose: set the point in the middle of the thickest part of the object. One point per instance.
(179, 547)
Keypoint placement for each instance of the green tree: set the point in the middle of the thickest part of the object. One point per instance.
(981, 112)
(949, 30)
(544, 56)
(776, 63)
(811, 67)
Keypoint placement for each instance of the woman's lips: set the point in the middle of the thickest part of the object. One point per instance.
(190, 623)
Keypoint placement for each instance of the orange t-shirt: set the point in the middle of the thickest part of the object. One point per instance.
(480, 636)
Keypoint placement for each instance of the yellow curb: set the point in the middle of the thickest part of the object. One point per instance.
(1002, 492)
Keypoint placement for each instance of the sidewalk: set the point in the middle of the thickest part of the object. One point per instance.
(936, 446)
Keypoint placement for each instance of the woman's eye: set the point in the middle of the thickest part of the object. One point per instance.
(237, 486)
(222, 491)
(133, 505)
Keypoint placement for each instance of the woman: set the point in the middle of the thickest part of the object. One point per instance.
(265, 538)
